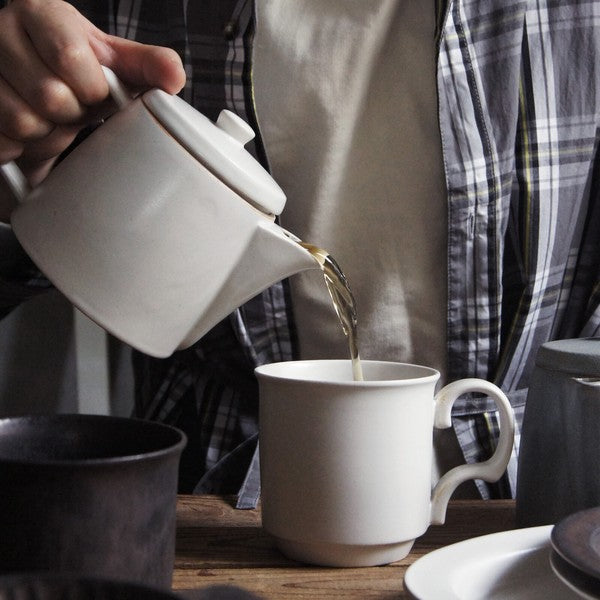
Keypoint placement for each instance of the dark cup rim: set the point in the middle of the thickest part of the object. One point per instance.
(174, 448)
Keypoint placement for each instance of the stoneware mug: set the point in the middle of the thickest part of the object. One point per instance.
(560, 442)
(89, 495)
(346, 465)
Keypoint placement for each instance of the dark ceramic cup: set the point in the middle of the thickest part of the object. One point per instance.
(36, 586)
(89, 494)
(560, 436)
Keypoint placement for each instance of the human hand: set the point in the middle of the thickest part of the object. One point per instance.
(52, 84)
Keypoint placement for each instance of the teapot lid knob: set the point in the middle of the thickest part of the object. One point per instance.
(219, 147)
(236, 127)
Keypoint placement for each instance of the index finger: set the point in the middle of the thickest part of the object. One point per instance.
(60, 35)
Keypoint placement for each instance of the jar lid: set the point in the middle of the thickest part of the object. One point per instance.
(579, 356)
(219, 147)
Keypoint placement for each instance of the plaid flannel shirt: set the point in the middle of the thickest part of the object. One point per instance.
(518, 110)
(519, 115)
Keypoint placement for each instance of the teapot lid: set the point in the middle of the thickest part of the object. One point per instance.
(219, 146)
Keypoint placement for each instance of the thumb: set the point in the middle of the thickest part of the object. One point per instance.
(141, 65)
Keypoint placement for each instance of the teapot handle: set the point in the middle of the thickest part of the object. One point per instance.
(17, 182)
(117, 90)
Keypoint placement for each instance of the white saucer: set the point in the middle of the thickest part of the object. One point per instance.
(508, 565)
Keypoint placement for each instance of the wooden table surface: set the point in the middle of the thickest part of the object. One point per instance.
(218, 544)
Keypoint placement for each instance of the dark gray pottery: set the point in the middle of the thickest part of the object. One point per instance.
(62, 587)
(559, 455)
(89, 494)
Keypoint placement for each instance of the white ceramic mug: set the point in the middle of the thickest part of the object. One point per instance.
(346, 465)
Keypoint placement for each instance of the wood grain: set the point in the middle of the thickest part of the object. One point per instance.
(220, 545)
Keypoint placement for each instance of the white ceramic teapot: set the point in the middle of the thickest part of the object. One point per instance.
(159, 224)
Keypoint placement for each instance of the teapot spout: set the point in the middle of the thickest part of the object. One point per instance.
(272, 254)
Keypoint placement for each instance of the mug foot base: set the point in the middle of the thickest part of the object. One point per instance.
(343, 555)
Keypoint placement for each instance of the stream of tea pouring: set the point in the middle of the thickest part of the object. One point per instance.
(343, 302)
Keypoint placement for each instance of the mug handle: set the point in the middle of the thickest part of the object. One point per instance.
(17, 182)
(489, 470)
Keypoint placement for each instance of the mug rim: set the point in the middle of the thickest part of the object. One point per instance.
(274, 372)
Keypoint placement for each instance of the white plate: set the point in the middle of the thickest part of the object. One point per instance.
(510, 565)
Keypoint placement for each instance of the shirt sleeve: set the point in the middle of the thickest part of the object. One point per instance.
(20, 279)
